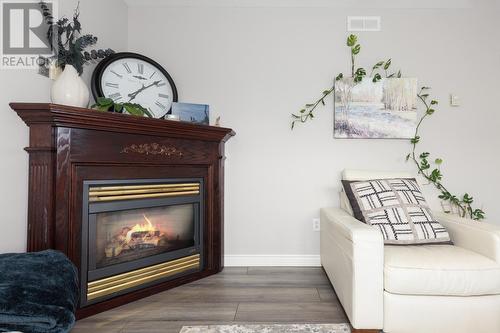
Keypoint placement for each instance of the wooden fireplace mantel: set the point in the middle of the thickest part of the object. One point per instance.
(56, 115)
(69, 145)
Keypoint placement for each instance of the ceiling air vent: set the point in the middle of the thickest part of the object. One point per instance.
(363, 23)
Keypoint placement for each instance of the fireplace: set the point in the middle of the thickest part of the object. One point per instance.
(135, 203)
(139, 232)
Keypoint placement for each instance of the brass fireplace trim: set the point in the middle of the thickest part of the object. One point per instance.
(106, 286)
(127, 192)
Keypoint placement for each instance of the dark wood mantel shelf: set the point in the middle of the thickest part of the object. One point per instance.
(68, 116)
(69, 145)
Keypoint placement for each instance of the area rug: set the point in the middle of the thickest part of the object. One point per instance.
(295, 328)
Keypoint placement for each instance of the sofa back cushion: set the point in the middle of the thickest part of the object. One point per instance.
(397, 207)
(344, 203)
(355, 174)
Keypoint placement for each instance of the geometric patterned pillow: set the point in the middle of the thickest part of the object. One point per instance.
(397, 208)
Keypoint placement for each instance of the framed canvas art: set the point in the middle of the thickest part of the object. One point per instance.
(386, 109)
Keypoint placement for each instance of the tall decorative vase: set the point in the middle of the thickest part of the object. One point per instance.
(69, 89)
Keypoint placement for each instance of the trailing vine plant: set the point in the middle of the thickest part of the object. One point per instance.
(380, 68)
(432, 175)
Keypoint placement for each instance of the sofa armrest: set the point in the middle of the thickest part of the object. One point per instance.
(480, 237)
(352, 254)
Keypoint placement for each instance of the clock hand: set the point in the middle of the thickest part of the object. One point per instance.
(135, 93)
(132, 95)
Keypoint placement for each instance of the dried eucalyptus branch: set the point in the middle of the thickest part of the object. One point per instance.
(67, 42)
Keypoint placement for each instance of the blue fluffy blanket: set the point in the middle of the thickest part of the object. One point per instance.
(38, 292)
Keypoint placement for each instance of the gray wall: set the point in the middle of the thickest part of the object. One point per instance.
(255, 64)
(108, 21)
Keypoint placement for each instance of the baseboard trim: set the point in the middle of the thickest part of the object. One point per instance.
(238, 260)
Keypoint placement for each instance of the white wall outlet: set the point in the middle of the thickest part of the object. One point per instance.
(316, 224)
(454, 100)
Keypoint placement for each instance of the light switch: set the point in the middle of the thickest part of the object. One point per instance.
(454, 100)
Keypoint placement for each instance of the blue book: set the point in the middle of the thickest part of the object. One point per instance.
(193, 113)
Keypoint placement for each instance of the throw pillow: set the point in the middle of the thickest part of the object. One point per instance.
(397, 208)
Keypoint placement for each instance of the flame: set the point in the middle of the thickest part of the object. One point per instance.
(148, 226)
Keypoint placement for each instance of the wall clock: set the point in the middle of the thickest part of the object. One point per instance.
(127, 77)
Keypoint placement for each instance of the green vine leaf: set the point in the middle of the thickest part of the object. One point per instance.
(361, 72)
(438, 161)
(378, 65)
(467, 199)
(478, 214)
(436, 175)
(387, 64)
(424, 164)
(356, 49)
(352, 40)
(445, 195)
(425, 155)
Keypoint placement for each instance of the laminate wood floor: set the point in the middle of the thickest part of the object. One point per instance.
(236, 295)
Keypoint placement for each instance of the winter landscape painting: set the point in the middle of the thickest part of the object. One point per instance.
(386, 109)
(193, 113)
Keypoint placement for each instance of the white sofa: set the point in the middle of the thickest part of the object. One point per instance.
(412, 289)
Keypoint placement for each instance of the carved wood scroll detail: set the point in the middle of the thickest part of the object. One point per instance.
(153, 149)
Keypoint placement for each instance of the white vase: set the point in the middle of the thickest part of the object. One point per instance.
(69, 89)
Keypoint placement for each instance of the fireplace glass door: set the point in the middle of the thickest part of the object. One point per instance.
(139, 232)
(129, 235)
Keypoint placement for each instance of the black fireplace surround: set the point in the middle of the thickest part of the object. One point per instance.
(156, 230)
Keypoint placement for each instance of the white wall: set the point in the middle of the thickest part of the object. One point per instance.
(108, 21)
(255, 64)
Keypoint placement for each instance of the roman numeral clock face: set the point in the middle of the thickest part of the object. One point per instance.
(134, 80)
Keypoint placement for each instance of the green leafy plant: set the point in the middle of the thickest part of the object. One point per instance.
(107, 104)
(67, 42)
(432, 174)
(307, 112)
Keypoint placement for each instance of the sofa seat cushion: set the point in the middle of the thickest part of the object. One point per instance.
(439, 270)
